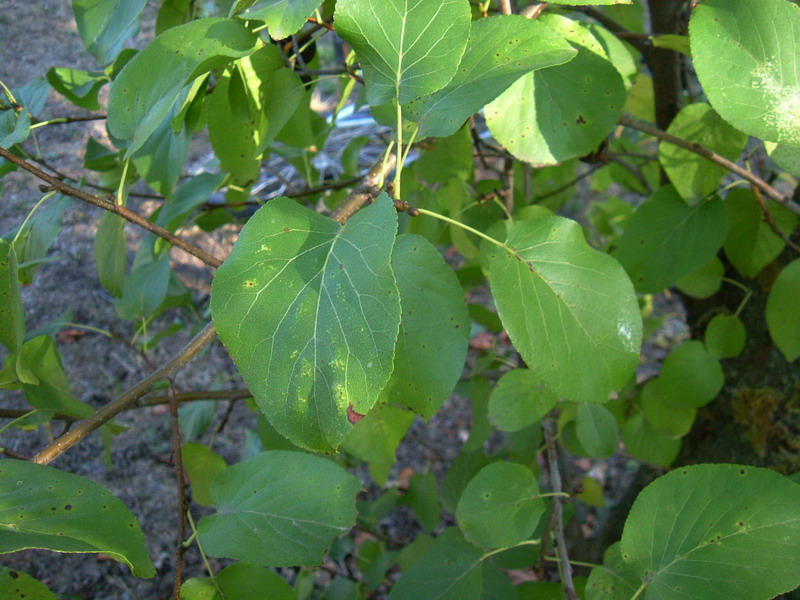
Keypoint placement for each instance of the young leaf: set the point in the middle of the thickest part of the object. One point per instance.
(662, 410)
(283, 17)
(783, 318)
(42, 507)
(160, 158)
(309, 311)
(202, 465)
(150, 84)
(667, 239)
(499, 51)
(449, 570)
(104, 25)
(14, 584)
(519, 400)
(692, 376)
(647, 443)
(703, 282)
(591, 93)
(434, 330)
(279, 509)
(243, 581)
(747, 60)
(500, 506)
(751, 243)
(569, 309)
(693, 176)
(715, 532)
(407, 48)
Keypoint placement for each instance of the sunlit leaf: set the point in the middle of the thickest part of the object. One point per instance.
(283, 17)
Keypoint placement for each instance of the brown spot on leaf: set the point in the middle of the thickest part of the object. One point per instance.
(352, 415)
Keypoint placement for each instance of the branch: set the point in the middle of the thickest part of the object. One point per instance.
(771, 220)
(715, 158)
(113, 207)
(62, 176)
(179, 475)
(555, 484)
(64, 120)
(365, 192)
(635, 40)
(505, 7)
(113, 408)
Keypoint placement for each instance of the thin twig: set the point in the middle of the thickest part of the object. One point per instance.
(113, 207)
(642, 45)
(66, 120)
(113, 408)
(715, 158)
(770, 219)
(179, 479)
(62, 176)
(570, 183)
(555, 485)
(365, 192)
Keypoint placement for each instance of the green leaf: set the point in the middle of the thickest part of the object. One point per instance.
(41, 357)
(423, 498)
(785, 157)
(783, 318)
(703, 282)
(693, 176)
(243, 581)
(692, 376)
(309, 311)
(725, 336)
(751, 243)
(279, 509)
(615, 580)
(715, 531)
(591, 2)
(42, 507)
(202, 465)
(283, 17)
(519, 400)
(194, 418)
(500, 506)
(667, 239)
(449, 570)
(375, 438)
(596, 428)
(192, 193)
(144, 290)
(499, 51)
(14, 584)
(662, 409)
(450, 157)
(647, 443)
(42, 230)
(591, 93)
(570, 310)
(111, 253)
(14, 127)
(160, 158)
(747, 58)
(12, 314)
(434, 330)
(79, 87)
(407, 48)
(104, 25)
(150, 84)
(464, 468)
(173, 13)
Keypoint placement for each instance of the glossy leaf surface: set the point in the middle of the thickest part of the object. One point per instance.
(715, 531)
(667, 239)
(748, 61)
(269, 515)
(569, 309)
(151, 83)
(783, 317)
(407, 48)
(42, 507)
(499, 51)
(309, 311)
(500, 506)
(434, 330)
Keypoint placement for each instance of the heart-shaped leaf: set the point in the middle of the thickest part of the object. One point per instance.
(407, 48)
(750, 73)
(279, 509)
(715, 532)
(569, 309)
(42, 507)
(309, 311)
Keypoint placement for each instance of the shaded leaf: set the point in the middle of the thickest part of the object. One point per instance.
(79, 87)
(269, 514)
(283, 17)
(692, 376)
(783, 318)
(201, 465)
(42, 507)
(725, 336)
(104, 25)
(519, 400)
(14, 584)
(596, 429)
(647, 443)
(12, 314)
(375, 438)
